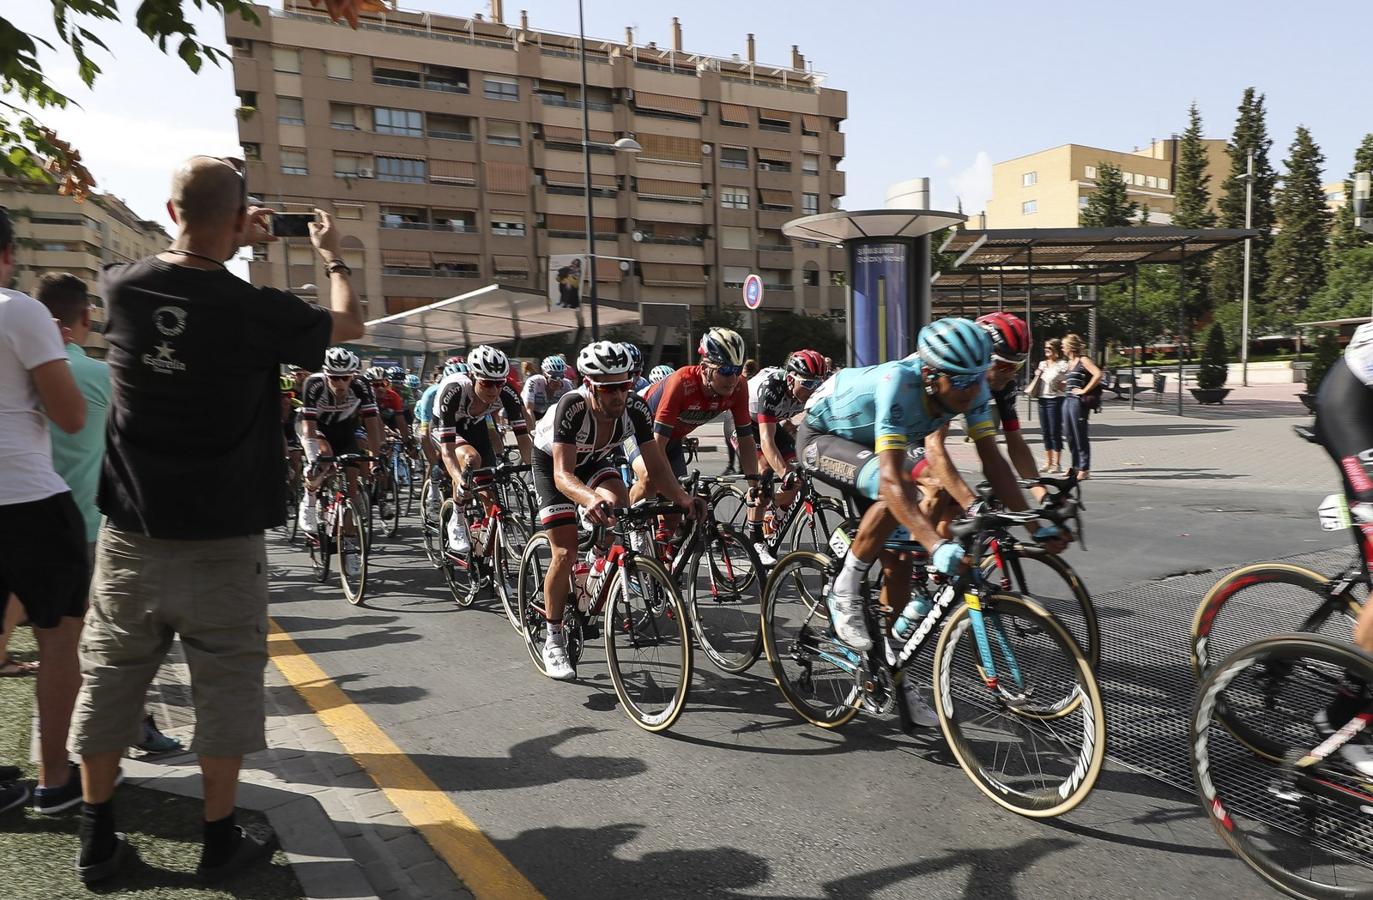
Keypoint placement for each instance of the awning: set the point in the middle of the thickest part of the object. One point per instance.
(776, 115)
(563, 222)
(837, 227)
(578, 179)
(661, 188)
(449, 259)
(490, 315)
(406, 259)
(775, 198)
(452, 171)
(608, 271)
(733, 112)
(1140, 244)
(675, 149)
(508, 264)
(671, 274)
(812, 123)
(684, 106)
(506, 178)
(563, 134)
(767, 155)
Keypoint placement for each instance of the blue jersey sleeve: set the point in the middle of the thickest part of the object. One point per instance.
(894, 408)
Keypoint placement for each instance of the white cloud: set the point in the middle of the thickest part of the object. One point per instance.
(973, 185)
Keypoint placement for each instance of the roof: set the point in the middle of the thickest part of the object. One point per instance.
(837, 227)
(1087, 246)
(992, 280)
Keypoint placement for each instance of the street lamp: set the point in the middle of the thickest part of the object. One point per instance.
(1363, 192)
(1248, 250)
(624, 145)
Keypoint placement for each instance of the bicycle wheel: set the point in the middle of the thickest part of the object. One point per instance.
(1033, 739)
(392, 494)
(318, 543)
(1253, 602)
(456, 567)
(814, 524)
(647, 645)
(510, 535)
(1050, 581)
(430, 526)
(725, 591)
(819, 676)
(1309, 832)
(730, 505)
(352, 551)
(534, 564)
(293, 500)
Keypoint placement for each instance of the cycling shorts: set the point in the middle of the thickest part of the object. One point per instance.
(786, 444)
(848, 466)
(341, 438)
(676, 455)
(475, 434)
(1344, 424)
(555, 507)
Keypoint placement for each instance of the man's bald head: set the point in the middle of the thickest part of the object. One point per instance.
(207, 193)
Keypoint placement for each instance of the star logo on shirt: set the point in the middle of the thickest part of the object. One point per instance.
(165, 351)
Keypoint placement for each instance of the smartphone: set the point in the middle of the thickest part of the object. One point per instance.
(292, 224)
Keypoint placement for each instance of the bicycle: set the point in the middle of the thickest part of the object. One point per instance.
(999, 659)
(437, 487)
(497, 537)
(340, 515)
(1301, 819)
(386, 486)
(647, 645)
(805, 525)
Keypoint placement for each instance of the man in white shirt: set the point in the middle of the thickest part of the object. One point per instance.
(42, 536)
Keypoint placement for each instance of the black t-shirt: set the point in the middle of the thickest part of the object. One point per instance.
(193, 443)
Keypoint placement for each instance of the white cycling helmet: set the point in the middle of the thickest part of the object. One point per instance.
(375, 374)
(636, 359)
(659, 373)
(603, 358)
(723, 347)
(341, 361)
(554, 366)
(488, 362)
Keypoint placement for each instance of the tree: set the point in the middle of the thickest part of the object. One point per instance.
(784, 332)
(1227, 270)
(1297, 259)
(1345, 235)
(33, 151)
(1214, 367)
(1192, 209)
(1348, 290)
(1326, 353)
(1110, 204)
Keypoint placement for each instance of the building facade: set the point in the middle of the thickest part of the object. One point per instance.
(1050, 188)
(449, 149)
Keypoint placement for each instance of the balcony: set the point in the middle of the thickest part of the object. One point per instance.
(564, 103)
(449, 135)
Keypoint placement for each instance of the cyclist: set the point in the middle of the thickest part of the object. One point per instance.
(872, 431)
(543, 390)
(424, 423)
(658, 374)
(464, 401)
(1344, 424)
(391, 408)
(636, 367)
(577, 447)
(290, 415)
(334, 403)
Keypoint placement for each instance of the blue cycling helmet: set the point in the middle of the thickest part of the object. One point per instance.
(454, 368)
(412, 381)
(955, 347)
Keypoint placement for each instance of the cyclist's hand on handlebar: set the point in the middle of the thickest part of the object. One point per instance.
(1054, 538)
(692, 507)
(600, 513)
(791, 480)
(947, 557)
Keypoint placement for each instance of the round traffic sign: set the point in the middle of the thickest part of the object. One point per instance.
(753, 292)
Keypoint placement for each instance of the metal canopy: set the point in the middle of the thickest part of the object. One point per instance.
(1019, 279)
(488, 315)
(837, 227)
(1139, 244)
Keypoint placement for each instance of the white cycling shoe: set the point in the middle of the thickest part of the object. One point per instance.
(1357, 754)
(922, 714)
(351, 562)
(846, 612)
(458, 541)
(308, 518)
(764, 555)
(556, 664)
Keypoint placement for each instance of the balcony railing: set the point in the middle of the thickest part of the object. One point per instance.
(447, 87)
(690, 241)
(775, 248)
(454, 227)
(593, 105)
(450, 135)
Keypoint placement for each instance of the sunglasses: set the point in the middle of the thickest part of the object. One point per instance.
(1016, 364)
(729, 371)
(809, 384)
(491, 382)
(962, 382)
(340, 377)
(612, 387)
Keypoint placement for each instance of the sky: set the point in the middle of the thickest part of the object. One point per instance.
(935, 89)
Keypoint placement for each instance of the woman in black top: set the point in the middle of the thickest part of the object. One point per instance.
(1083, 375)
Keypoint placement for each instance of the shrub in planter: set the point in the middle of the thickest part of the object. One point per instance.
(1322, 358)
(1214, 368)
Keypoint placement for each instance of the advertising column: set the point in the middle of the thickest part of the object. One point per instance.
(886, 312)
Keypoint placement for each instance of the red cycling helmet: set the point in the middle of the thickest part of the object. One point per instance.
(1010, 336)
(806, 364)
(453, 361)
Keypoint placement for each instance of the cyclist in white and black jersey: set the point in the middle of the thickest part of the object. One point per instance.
(543, 389)
(636, 367)
(334, 403)
(463, 402)
(577, 456)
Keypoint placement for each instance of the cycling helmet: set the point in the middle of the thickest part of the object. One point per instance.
(412, 381)
(806, 364)
(488, 362)
(1010, 336)
(659, 373)
(375, 374)
(288, 384)
(452, 361)
(396, 374)
(603, 358)
(955, 347)
(636, 359)
(554, 366)
(341, 361)
(722, 346)
(453, 368)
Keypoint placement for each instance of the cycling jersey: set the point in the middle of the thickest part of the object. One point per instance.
(1358, 356)
(640, 384)
(424, 409)
(572, 421)
(389, 405)
(458, 409)
(770, 398)
(884, 407)
(1005, 406)
(1344, 423)
(542, 392)
(320, 405)
(682, 402)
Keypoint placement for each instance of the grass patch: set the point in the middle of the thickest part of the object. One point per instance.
(39, 852)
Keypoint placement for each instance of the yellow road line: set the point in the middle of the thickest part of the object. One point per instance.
(449, 830)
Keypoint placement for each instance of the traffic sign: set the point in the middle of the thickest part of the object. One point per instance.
(753, 292)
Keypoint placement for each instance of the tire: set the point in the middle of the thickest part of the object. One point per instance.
(802, 650)
(457, 570)
(813, 526)
(647, 645)
(1060, 701)
(1253, 602)
(1264, 814)
(354, 587)
(729, 503)
(293, 500)
(725, 592)
(319, 553)
(533, 626)
(510, 536)
(1051, 582)
(430, 529)
(393, 494)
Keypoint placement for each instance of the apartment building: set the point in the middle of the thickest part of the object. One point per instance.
(450, 151)
(1048, 189)
(54, 233)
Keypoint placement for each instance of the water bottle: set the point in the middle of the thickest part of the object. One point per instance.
(914, 612)
(479, 530)
(580, 570)
(596, 571)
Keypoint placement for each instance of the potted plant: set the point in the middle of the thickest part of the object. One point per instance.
(1213, 370)
(1322, 358)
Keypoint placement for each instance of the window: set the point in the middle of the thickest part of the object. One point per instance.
(1029, 207)
(343, 116)
(1089, 172)
(773, 121)
(456, 220)
(810, 164)
(286, 59)
(290, 111)
(452, 128)
(347, 212)
(1163, 184)
(734, 198)
(733, 237)
(811, 277)
(346, 165)
(734, 275)
(336, 66)
(1029, 179)
(400, 168)
(414, 217)
(400, 76)
(405, 122)
(247, 99)
(1082, 201)
(242, 47)
(293, 162)
(445, 78)
(810, 204)
(252, 151)
(733, 157)
(504, 133)
(506, 225)
(496, 87)
(1150, 181)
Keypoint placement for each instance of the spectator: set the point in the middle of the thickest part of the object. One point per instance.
(529, 369)
(750, 368)
(193, 475)
(1049, 387)
(42, 556)
(1081, 378)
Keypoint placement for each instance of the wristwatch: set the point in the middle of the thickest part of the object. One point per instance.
(338, 265)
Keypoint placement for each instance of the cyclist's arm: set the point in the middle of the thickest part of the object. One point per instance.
(999, 473)
(660, 473)
(767, 437)
(1023, 459)
(374, 433)
(944, 471)
(902, 497)
(518, 419)
(564, 469)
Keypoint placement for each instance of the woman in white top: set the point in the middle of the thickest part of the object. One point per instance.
(1051, 376)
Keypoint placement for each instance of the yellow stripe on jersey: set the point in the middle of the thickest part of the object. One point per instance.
(982, 430)
(889, 442)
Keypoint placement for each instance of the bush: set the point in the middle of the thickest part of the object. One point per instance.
(1213, 370)
(1326, 353)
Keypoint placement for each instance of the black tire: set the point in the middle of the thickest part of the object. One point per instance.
(354, 587)
(647, 645)
(458, 571)
(725, 592)
(533, 626)
(813, 526)
(510, 535)
(1056, 701)
(729, 504)
(1306, 837)
(294, 497)
(430, 528)
(802, 650)
(393, 497)
(319, 553)
(1051, 582)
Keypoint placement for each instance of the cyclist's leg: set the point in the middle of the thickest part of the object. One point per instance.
(786, 445)
(558, 515)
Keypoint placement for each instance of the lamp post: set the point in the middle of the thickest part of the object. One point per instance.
(627, 145)
(1363, 192)
(1248, 250)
